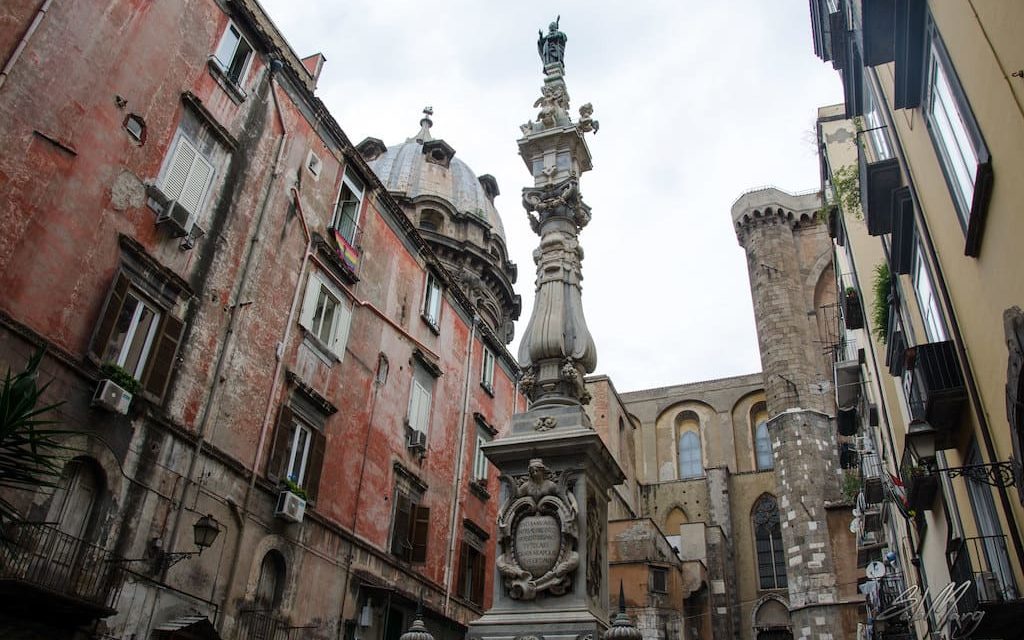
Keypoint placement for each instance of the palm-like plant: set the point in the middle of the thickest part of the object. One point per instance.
(30, 455)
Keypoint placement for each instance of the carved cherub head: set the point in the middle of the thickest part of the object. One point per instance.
(586, 110)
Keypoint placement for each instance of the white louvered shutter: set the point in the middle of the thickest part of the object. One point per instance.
(309, 303)
(343, 321)
(177, 172)
(195, 185)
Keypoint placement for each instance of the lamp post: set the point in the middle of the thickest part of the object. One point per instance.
(920, 442)
(204, 532)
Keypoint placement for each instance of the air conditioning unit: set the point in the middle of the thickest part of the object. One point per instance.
(290, 507)
(174, 220)
(110, 396)
(417, 441)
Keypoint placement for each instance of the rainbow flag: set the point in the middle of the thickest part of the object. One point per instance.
(348, 254)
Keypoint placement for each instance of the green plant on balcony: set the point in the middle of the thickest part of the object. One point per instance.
(846, 182)
(851, 485)
(121, 377)
(293, 487)
(880, 308)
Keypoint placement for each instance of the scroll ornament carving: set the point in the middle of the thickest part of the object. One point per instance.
(545, 423)
(561, 199)
(538, 534)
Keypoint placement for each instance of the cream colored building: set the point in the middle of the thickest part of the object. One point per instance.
(923, 166)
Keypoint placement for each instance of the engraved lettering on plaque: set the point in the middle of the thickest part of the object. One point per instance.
(538, 541)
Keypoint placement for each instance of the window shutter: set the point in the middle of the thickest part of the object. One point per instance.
(421, 526)
(282, 441)
(423, 409)
(179, 168)
(464, 569)
(111, 309)
(344, 322)
(400, 532)
(309, 303)
(479, 577)
(194, 187)
(315, 464)
(416, 403)
(162, 357)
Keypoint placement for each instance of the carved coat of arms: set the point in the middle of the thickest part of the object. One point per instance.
(538, 533)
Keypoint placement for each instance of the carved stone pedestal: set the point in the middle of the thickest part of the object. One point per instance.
(552, 565)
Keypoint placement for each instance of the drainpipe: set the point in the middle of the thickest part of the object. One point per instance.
(377, 384)
(222, 357)
(460, 470)
(24, 42)
(275, 380)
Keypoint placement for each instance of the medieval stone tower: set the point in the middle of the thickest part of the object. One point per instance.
(792, 284)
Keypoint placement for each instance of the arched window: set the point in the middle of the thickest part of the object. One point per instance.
(763, 447)
(270, 587)
(771, 558)
(690, 464)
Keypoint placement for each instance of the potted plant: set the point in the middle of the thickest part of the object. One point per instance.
(116, 389)
(853, 314)
(291, 502)
(921, 485)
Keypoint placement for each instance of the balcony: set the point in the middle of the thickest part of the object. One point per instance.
(904, 232)
(880, 178)
(847, 381)
(921, 489)
(984, 564)
(256, 624)
(44, 569)
(936, 386)
(853, 313)
(884, 601)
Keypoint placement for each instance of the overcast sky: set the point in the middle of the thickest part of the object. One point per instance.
(698, 102)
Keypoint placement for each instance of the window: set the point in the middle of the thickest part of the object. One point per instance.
(346, 212)
(187, 177)
(926, 301)
(314, 164)
(874, 125)
(233, 54)
(480, 460)
(326, 314)
(410, 527)
(270, 587)
(690, 464)
(771, 558)
(487, 371)
(134, 333)
(298, 451)
(432, 301)
(472, 568)
(763, 447)
(958, 143)
(419, 399)
(659, 580)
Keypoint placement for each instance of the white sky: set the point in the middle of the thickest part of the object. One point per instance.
(698, 102)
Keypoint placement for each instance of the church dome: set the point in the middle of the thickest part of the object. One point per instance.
(453, 209)
(423, 166)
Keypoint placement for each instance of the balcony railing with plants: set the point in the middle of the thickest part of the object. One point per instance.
(936, 385)
(38, 559)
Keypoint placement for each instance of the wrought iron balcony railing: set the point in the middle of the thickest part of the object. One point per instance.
(262, 624)
(42, 565)
(988, 569)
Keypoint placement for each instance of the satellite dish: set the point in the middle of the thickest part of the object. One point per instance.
(875, 570)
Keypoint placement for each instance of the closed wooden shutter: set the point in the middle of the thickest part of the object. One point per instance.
(400, 531)
(421, 526)
(163, 356)
(315, 464)
(111, 309)
(419, 406)
(282, 442)
(479, 577)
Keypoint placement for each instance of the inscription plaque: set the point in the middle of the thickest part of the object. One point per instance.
(538, 541)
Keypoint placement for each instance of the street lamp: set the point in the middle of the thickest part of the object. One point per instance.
(920, 442)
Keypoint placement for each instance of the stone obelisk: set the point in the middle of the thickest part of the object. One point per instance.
(551, 570)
